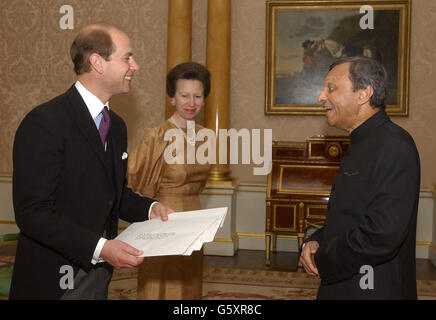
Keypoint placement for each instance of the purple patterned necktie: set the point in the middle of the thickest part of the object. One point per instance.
(105, 124)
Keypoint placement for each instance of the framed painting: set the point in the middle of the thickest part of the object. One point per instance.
(303, 37)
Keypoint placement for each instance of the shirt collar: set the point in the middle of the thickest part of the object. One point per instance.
(369, 126)
(94, 104)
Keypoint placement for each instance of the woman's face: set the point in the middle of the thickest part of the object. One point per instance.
(188, 99)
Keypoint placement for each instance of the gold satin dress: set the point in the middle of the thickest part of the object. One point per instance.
(177, 186)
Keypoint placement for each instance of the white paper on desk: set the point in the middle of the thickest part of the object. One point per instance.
(183, 233)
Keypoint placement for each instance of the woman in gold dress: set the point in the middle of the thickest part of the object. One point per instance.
(175, 185)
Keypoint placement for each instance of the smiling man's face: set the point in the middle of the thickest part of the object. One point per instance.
(339, 100)
(121, 66)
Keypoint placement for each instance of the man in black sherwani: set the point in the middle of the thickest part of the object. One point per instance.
(366, 248)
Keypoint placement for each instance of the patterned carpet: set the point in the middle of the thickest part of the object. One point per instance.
(239, 284)
(223, 284)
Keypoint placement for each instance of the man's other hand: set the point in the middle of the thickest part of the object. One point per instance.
(160, 210)
(307, 257)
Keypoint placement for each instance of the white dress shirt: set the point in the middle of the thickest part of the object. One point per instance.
(95, 107)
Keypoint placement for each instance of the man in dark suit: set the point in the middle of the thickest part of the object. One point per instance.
(366, 249)
(69, 186)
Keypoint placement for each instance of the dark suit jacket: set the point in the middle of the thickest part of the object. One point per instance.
(64, 194)
(371, 217)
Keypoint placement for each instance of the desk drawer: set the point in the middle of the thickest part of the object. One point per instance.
(314, 215)
(284, 217)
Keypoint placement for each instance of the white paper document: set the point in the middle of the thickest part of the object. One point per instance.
(183, 233)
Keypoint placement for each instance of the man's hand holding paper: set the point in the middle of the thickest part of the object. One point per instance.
(120, 254)
(160, 210)
(183, 233)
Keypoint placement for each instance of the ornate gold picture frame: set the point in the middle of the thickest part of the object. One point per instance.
(303, 37)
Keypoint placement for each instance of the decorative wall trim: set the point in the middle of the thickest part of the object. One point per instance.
(281, 236)
(426, 243)
(216, 194)
(250, 235)
(212, 186)
(233, 239)
(7, 222)
(245, 184)
(251, 190)
(5, 178)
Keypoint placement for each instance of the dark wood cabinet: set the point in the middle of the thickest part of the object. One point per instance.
(299, 185)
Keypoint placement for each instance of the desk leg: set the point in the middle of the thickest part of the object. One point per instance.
(268, 248)
(274, 241)
(300, 237)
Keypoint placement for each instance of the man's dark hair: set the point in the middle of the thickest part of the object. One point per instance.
(366, 72)
(97, 40)
(188, 71)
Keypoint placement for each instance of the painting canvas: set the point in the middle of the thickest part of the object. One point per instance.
(305, 39)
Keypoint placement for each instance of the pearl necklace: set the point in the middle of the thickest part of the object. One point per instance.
(190, 138)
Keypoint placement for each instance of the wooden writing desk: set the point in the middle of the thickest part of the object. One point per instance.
(299, 185)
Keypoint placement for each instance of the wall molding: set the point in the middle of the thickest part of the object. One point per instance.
(7, 222)
(5, 178)
(426, 244)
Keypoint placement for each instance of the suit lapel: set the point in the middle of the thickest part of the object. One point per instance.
(86, 125)
(116, 138)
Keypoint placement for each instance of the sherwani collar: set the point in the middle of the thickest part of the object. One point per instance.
(366, 128)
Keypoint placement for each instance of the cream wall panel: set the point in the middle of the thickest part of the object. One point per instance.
(422, 252)
(432, 256)
(250, 206)
(7, 218)
(250, 220)
(6, 208)
(425, 226)
(432, 250)
(225, 242)
(8, 228)
(258, 243)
